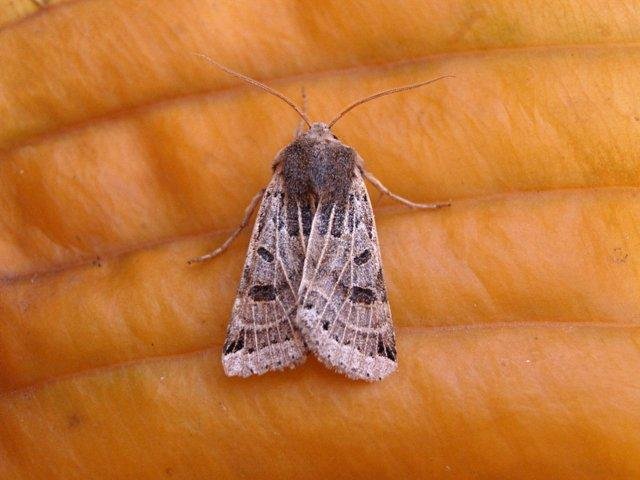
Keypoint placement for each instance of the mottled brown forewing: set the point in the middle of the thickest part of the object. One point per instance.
(262, 334)
(343, 311)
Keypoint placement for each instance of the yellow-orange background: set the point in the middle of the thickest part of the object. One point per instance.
(122, 155)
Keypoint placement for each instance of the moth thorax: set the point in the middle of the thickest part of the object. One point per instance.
(321, 167)
(331, 170)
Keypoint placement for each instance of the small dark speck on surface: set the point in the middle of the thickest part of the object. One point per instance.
(619, 255)
(74, 420)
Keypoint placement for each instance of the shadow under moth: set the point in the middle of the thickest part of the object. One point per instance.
(312, 278)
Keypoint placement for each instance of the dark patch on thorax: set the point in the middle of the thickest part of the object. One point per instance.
(319, 168)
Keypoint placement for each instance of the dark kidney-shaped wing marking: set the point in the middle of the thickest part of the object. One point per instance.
(262, 335)
(343, 312)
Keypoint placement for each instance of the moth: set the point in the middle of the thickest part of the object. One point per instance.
(313, 278)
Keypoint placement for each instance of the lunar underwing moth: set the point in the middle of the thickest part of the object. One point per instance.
(313, 278)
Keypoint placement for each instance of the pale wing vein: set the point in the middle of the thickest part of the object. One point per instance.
(324, 246)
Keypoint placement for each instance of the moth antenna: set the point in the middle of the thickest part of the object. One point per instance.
(303, 93)
(382, 94)
(256, 83)
(300, 128)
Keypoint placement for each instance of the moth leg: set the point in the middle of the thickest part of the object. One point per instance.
(300, 129)
(245, 220)
(384, 190)
(378, 200)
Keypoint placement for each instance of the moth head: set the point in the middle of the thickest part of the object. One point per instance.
(320, 132)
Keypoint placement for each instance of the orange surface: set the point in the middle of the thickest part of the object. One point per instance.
(122, 155)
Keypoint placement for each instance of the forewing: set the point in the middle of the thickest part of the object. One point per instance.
(343, 312)
(262, 335)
